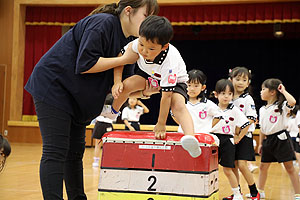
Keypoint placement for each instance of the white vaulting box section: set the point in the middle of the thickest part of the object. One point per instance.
(136, 166)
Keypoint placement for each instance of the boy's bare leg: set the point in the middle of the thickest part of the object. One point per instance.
(132, 84)
(182, 114)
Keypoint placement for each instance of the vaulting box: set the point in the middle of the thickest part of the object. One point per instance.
(137, 166)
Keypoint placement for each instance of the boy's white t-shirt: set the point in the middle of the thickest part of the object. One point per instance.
(232, 118)
(246, 104)
(202, 114)
(271, 121)
(168, 67)
(132, 115)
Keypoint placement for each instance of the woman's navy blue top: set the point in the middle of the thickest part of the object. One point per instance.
(57, 80)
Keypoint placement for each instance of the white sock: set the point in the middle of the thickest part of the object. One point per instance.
(260, 191)
(236, 191)
(96, 159)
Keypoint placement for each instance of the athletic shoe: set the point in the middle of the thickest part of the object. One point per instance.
(262, 195)
(228, 198)
(95, 164)
(109, 113)
(237, 197)
(191, 144)
(255, 198)
(253, 168)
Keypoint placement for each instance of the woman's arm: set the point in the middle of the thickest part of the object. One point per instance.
(103, 64)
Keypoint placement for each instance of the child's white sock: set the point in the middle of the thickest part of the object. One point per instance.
(96, 159)
(236, 191)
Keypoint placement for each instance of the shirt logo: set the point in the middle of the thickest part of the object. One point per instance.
(226, 129)
(153, 82)
(273, 119)
(172, 79)
(203, 114)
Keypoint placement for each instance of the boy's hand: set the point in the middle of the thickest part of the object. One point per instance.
(160, 131)
(130, 56)
(117, 89)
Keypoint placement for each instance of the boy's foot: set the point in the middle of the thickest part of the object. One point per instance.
(108, 112)
(191, 144)
(262, 195)
(228, 198)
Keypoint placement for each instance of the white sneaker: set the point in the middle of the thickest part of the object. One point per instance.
(262, 195)
(237, 197)
(95, 164)
(108, 113)
(191, 144)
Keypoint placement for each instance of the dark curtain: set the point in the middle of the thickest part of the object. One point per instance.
(38, 41)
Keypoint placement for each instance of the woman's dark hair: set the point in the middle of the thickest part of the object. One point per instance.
(117, 8)
(197, 76)
(5, 151)
(272, 84)
(222, 84)
(156, 29)
(241, 71)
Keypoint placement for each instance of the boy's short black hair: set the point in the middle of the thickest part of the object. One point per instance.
(157, 29)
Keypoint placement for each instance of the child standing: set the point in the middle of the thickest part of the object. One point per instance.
(241, 78)
(225, 130)
(204, 112)
(102, 126)
(5, 150)
(274, 144)
(131, 114)
(292, 128)
(162, 65)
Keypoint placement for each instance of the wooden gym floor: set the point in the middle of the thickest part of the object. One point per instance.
(20, 178)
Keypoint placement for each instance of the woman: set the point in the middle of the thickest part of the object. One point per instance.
(69, 85)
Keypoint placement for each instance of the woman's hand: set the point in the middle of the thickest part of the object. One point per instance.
(117, 89)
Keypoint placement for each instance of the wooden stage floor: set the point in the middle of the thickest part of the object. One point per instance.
(20, 178)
